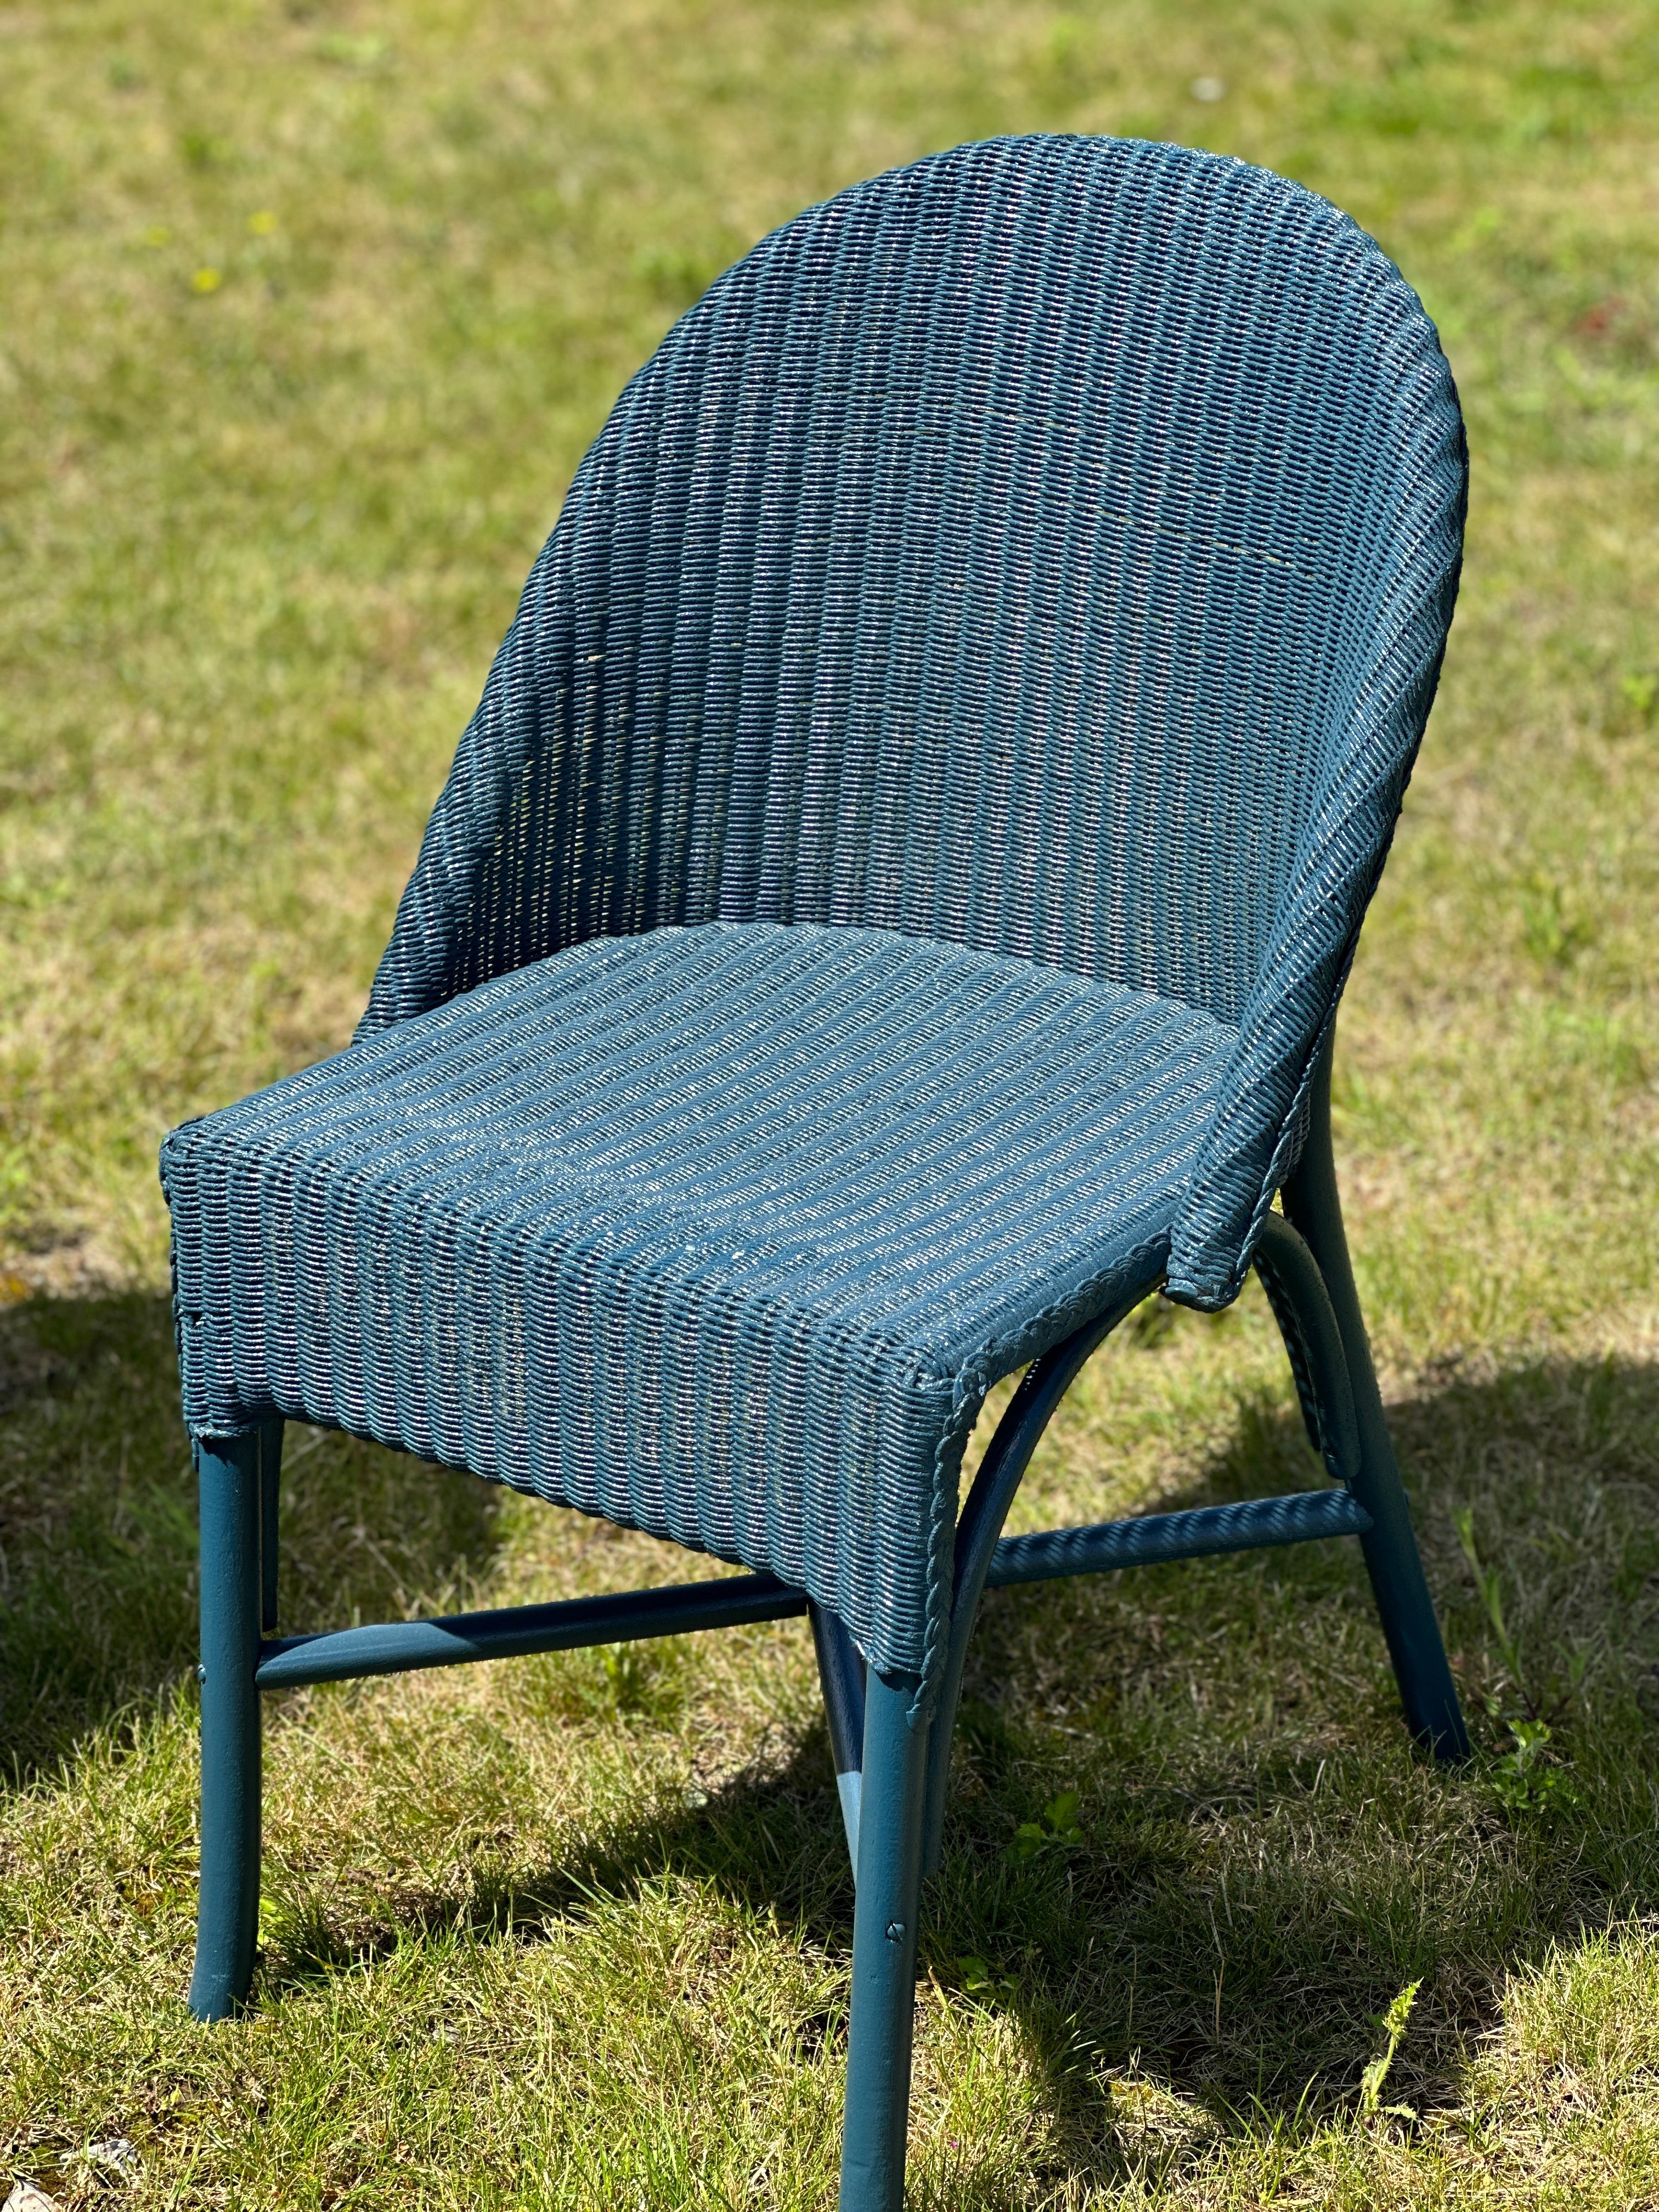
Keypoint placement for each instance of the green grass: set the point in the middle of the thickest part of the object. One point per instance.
(305, 315)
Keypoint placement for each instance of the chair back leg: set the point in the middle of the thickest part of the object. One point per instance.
(1395, 1563)
(885, 1948)
(227, 1908)
(842, 1673)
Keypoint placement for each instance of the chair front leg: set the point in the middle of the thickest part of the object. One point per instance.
(270, 1476)
(885, 1948)
(1395, 1563)
(227, 1908)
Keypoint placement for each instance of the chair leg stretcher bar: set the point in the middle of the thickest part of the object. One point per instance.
(293, 1662)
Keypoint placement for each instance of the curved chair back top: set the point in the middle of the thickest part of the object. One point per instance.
(1047, 547)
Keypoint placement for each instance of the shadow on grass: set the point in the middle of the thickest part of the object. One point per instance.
(1260, 1865)
(98, 1541)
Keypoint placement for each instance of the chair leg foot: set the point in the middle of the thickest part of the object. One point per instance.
(1427, 1692)
(884, 1949)
(1396, 1565)
(227, 1910)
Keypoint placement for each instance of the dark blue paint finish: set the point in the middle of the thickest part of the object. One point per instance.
(886, 916)
(842, 1672)
(270, 1475)
(397, 1647)
(1033, 1404)
(1426, 1690)
(892, 890)
(227, 1910)
(1256, 1525)
(885, 1947)
(1307, 1321)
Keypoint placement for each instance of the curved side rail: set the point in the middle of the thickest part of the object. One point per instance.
(1307, 1321)
(1019, 1433)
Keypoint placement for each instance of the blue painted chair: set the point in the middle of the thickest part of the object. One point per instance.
(885, 919)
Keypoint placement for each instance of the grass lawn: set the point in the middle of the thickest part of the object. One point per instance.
(307, 312)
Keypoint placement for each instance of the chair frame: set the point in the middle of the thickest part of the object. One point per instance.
(892, 1763)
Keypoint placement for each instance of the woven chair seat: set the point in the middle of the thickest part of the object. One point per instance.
(720, 1233)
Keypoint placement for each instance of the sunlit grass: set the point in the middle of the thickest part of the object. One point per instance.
(306, 316)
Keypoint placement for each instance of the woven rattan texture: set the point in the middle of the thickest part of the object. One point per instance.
(719, 1232)
(1032, 565)
(1047, 547)
(1246, 1525)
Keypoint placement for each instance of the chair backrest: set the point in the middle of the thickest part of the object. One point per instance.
(1047, 547)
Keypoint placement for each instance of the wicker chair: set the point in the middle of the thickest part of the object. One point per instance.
(885, 920)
